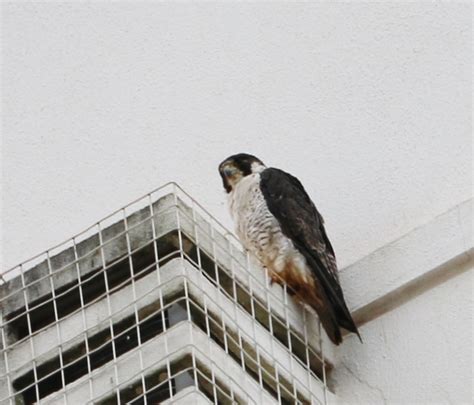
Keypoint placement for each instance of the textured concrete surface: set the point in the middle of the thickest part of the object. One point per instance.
(369, 104)
(420, 353)
(414, 298)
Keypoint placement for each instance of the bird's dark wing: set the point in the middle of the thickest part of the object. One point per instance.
(300, 221)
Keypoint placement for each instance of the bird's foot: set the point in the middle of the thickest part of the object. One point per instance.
(274, 278)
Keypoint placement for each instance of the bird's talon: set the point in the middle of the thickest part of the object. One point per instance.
(273, 279)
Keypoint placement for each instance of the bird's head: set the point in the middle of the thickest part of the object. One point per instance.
(236, 167)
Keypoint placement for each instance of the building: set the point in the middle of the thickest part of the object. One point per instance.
(369, 104)
(155, 303)
(158, 303)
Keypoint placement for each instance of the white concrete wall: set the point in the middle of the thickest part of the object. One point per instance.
(368, 104)
(420, 353)
(414, 301)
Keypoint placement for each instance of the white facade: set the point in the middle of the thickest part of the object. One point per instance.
(368, 104)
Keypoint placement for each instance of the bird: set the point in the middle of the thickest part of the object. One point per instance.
(279, 225)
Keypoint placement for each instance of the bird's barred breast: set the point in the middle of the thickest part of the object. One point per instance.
(260, 231)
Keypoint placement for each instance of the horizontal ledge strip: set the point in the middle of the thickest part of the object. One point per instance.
(399, 296)
(418, 261)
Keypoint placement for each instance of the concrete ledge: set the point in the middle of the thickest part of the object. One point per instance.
(64, 267)
(172, 278)
(413, 288)
(156, 354)
(188, 396)
(71, 329)
(410, 265)
(258, 339)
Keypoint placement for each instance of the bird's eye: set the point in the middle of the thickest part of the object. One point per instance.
(229, 171)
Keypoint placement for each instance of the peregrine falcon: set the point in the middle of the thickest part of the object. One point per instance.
(279, 225)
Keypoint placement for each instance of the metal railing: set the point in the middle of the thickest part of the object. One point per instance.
(84, 317)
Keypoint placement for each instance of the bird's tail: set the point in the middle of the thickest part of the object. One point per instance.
(344, 319)
(330, 324)
(333, 318)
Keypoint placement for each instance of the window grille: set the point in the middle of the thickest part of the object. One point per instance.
(157, 302)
